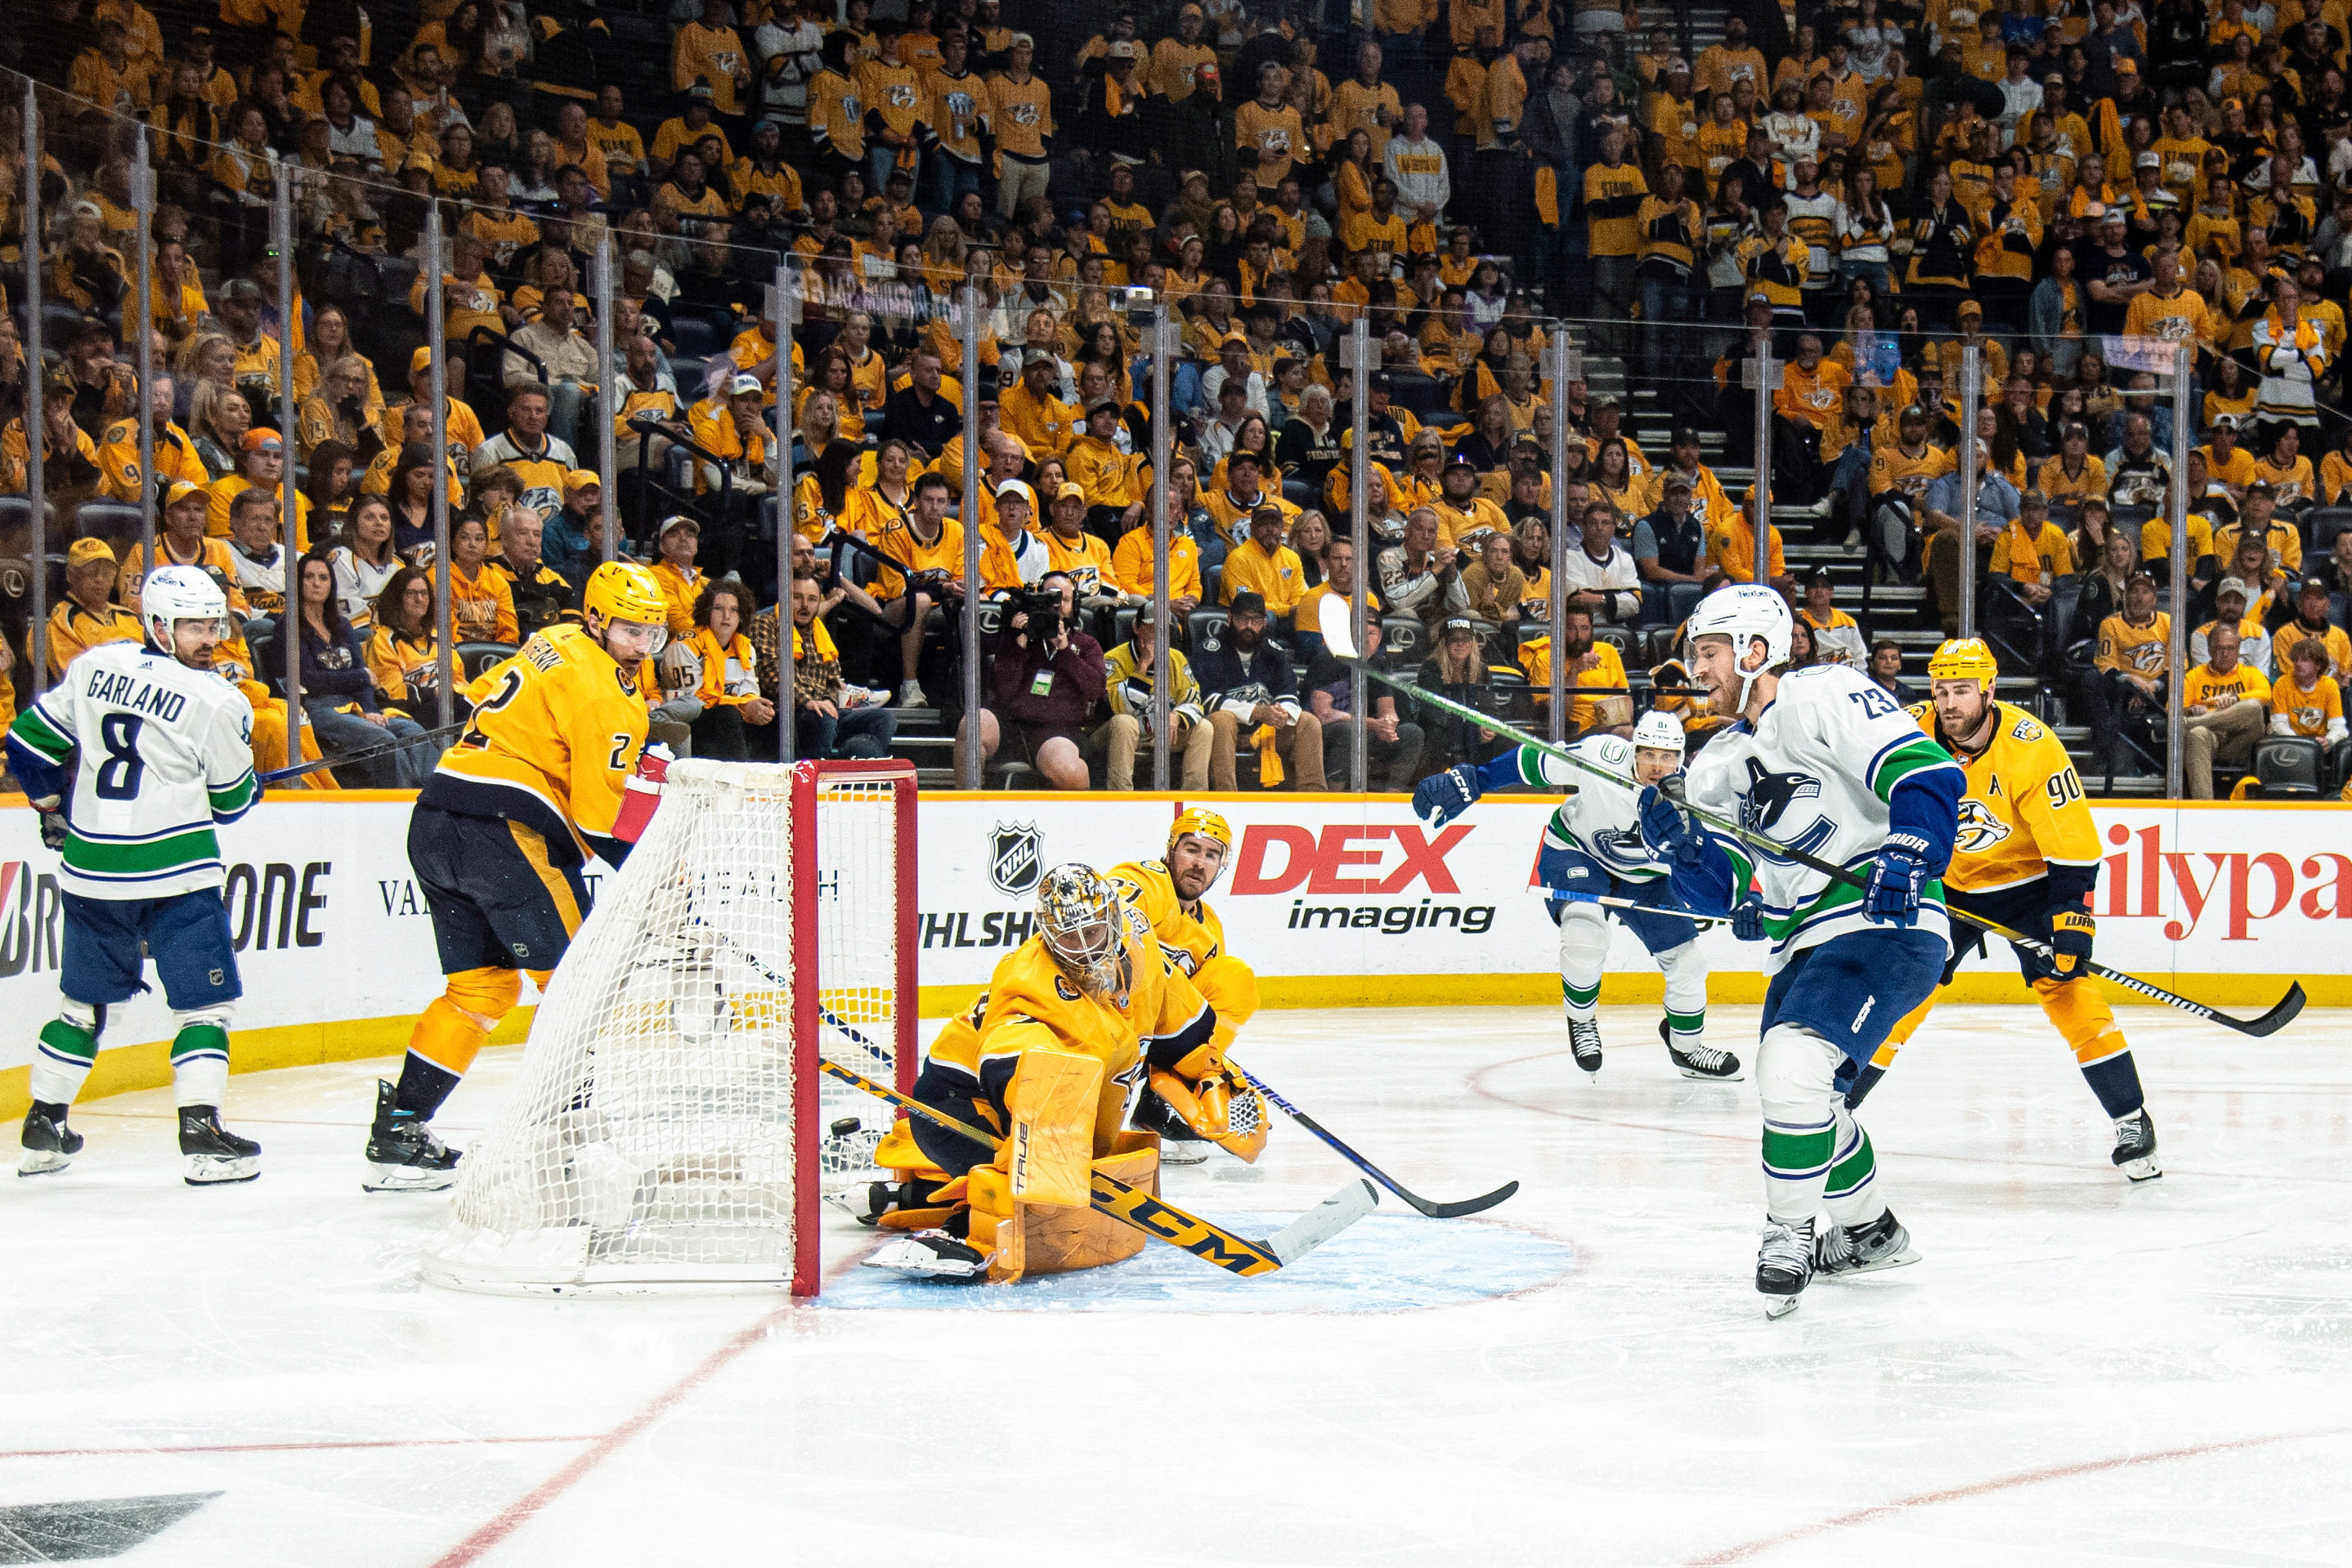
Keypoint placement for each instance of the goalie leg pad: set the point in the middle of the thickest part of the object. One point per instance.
(1037, 1240)
(1055, 1098)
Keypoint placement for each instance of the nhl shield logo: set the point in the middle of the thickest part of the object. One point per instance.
(1015, 861)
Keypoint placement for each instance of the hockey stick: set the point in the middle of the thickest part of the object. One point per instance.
(1134, 1206)
(277, 775)
(1435, 1211)
(1702, 921)
(1339, 636)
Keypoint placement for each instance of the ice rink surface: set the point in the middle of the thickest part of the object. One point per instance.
(2079, 1372)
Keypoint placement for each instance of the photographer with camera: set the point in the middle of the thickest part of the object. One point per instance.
(1045, 681)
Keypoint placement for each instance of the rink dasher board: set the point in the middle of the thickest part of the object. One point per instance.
(1335, 899)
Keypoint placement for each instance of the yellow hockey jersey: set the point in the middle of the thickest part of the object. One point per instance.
(2025, 810)
(1157, 1019)
(555, 733)
(1190, 938)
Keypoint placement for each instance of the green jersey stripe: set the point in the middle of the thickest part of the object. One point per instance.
(1900, 763)
(35, 730)
(183, 850)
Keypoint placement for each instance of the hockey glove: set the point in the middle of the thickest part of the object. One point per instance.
(2071, 931)
(1667, 828)
(1441, 797)
(641, 794)
(1896, 879)
(52, 812)
(1748, 919)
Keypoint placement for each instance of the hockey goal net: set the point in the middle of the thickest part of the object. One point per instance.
(667, 1126)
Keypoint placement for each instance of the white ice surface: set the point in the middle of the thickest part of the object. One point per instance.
(2079, 1372)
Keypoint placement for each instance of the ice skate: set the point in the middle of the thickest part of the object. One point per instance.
(1584, 1043)
(215, 1155)
(1883, 1243)
(1701, 1061)
(2135, 1152)
(932, 1254)
(49, 1145)
(1784, 1265)
(404, 1156)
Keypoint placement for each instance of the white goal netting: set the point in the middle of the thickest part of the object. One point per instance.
(666, 1126)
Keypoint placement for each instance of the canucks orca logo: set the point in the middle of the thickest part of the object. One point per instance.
(1767, 799)
(1979, 828)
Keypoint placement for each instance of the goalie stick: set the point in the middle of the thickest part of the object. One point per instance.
(1435, 1211)
(1203, 1239)
(1339, 636)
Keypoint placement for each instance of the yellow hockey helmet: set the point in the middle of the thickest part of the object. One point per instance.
(1965, 658)
(1206, 823)
(624, 590)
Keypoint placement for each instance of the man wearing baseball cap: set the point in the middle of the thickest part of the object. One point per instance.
(87, 618)
(1034, 412)
(574, 542)
(180, 540)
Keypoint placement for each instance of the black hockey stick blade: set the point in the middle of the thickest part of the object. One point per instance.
(1466, 1206)
(1340, 1147)
(2272, 1022)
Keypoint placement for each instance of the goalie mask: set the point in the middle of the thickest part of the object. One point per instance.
(1078, 914)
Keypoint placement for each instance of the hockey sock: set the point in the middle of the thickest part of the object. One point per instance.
(2117, 1083)
(66, 1049)
(1685, 973)
(2088, 1026)
(424, 1086)
(200, 1058)
(1583, 952)
(1851, 1191)
(1794, 1079)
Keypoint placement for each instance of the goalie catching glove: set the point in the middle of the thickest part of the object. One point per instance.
(1209, 1098)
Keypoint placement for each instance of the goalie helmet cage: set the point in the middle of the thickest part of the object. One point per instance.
(664, 1128)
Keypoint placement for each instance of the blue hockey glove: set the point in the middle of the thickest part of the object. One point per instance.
(1896, 879)
(1667, 828)
(1748, 919)
(1441, 797)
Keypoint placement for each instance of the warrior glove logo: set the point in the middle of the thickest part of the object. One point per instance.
(1016, 863)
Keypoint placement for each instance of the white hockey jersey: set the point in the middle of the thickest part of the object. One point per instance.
(1600, 818)
(1814, 773)
(166, 753)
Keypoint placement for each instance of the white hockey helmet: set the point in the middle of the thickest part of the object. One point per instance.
(170, 595)
(1745, 612)
(1658, 730)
